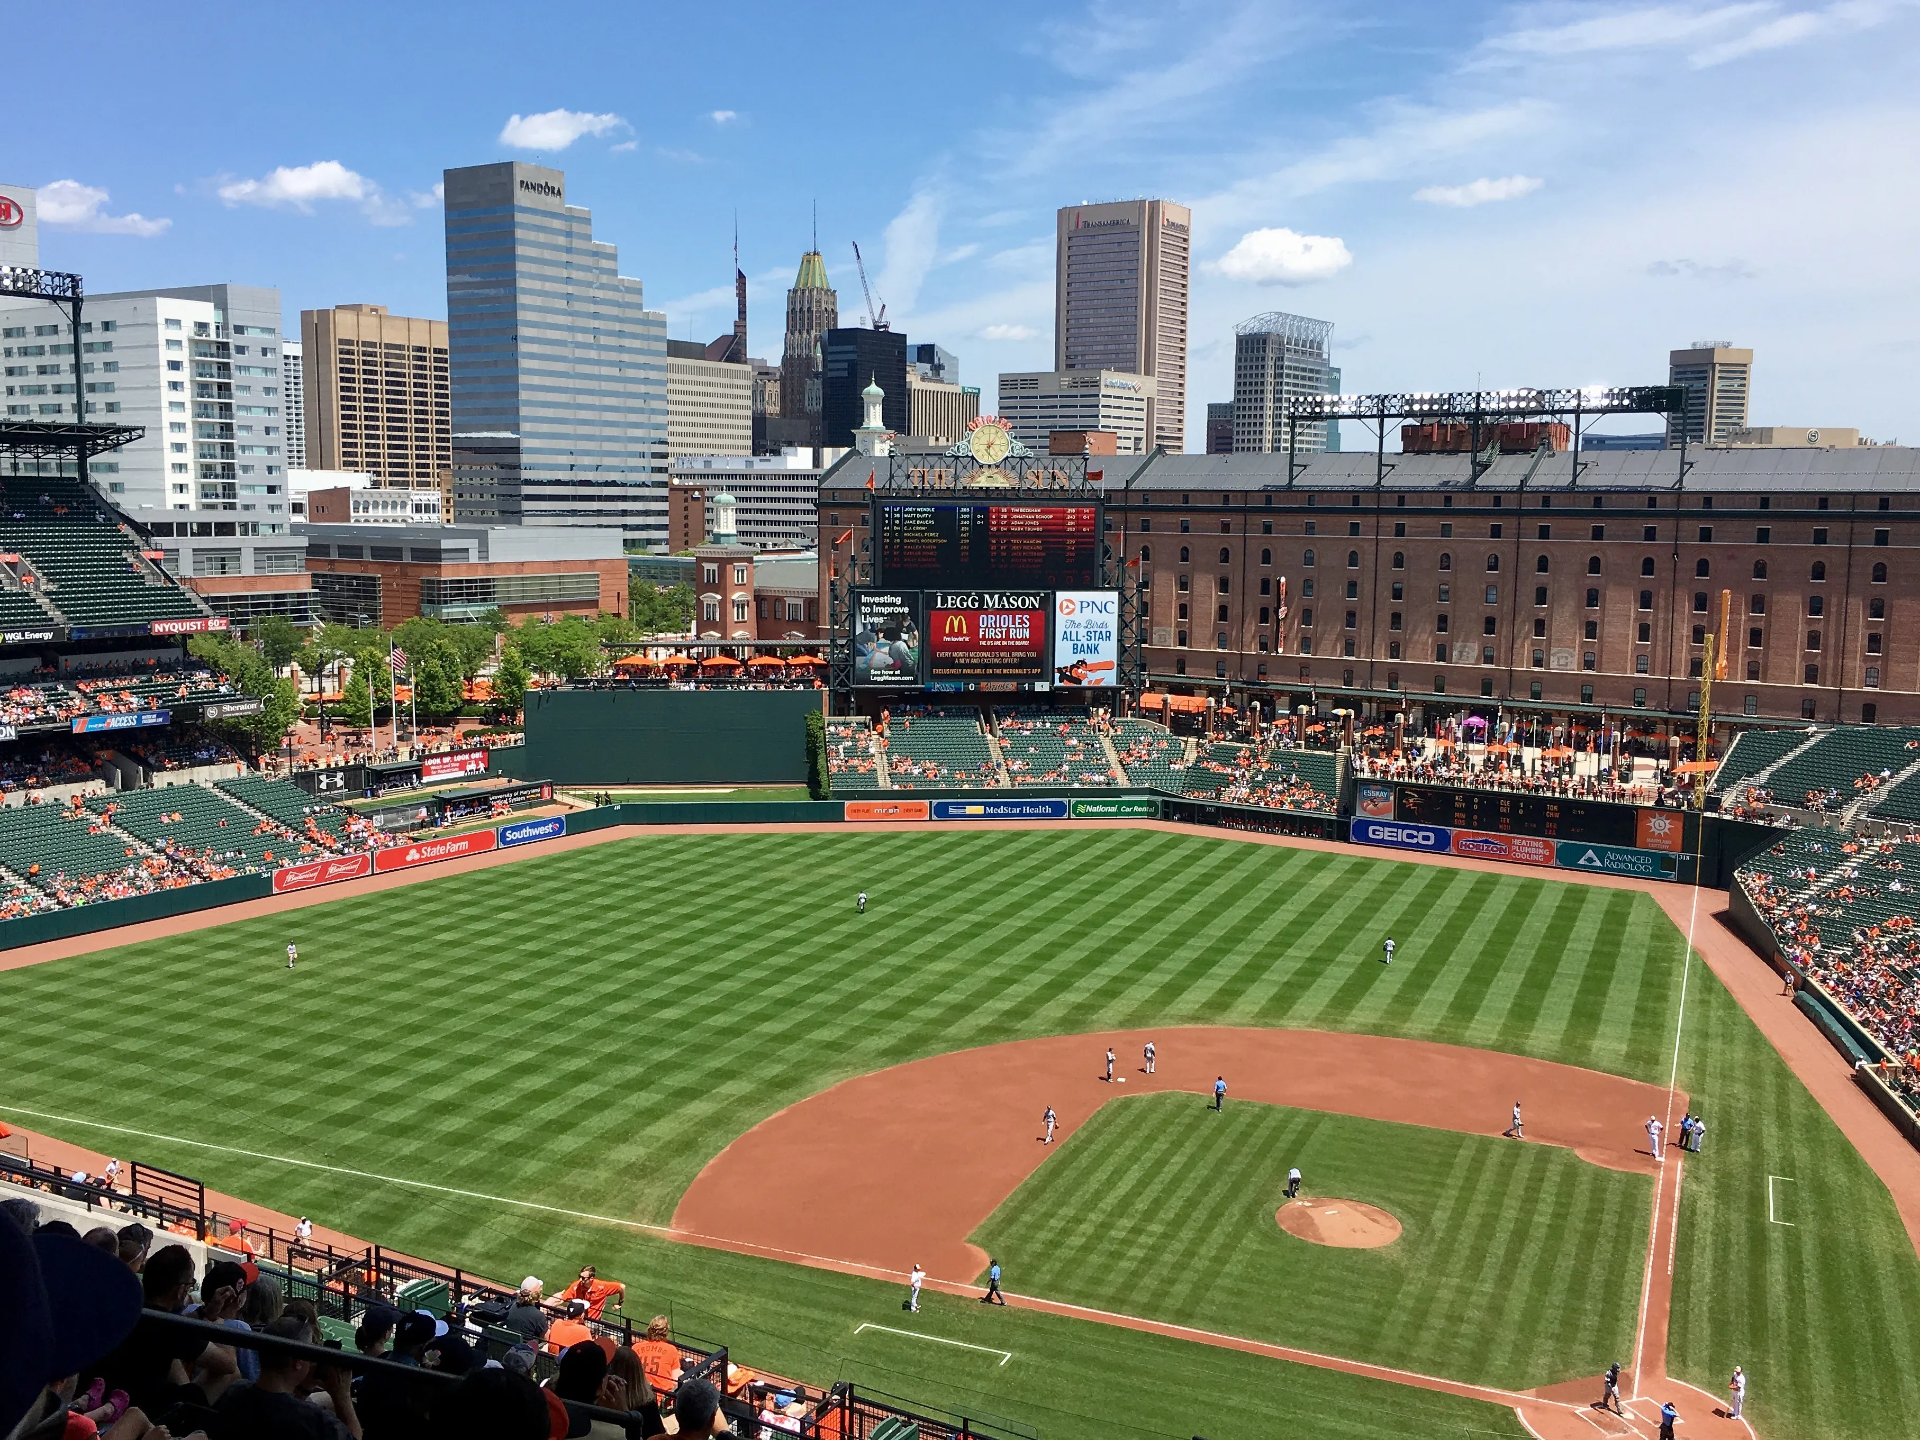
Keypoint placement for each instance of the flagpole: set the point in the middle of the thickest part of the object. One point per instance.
(393, 687)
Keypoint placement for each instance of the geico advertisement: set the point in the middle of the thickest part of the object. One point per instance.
(987, 633)
(1086, 637)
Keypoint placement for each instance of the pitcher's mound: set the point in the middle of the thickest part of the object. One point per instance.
(1348, 1224)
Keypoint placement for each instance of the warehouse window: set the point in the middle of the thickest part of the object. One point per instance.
(1701, 569)
(1646, 566)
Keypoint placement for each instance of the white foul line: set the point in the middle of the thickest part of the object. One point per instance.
(1770, 1217)
(1005, 1355)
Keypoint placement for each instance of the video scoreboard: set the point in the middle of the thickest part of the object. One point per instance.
(1496, 812)
(984, 543)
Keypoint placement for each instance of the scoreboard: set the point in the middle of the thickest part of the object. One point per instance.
(1502, 813)
(982, 543)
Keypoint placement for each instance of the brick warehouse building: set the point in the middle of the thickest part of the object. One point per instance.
(1523, 585)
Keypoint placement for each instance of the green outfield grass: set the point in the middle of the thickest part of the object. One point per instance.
(584, 1030)
(1158, 1207)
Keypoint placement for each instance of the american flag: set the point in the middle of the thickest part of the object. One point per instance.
(397, 660)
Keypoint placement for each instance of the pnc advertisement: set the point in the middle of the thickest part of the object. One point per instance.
(987, 634)
(1086, 637)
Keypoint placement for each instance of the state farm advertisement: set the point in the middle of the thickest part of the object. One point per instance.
(321, 872)
(446, 767)
(987, 634)
(405, 857)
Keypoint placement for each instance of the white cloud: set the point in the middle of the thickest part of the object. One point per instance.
(623, 147)
(912, 241)
(1284, 257)
(555, 129)
(721, 117)
(1008, 332)
(69, 205)
(1637, 28)
(1479, 192)
(296, 187)
(1784, 30)
(1701, 270)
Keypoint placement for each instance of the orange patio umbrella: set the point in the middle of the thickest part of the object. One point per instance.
(679, 660)
(633, 662)
(1695, 767)
(719, 662)
(766, 660)
(805, 660)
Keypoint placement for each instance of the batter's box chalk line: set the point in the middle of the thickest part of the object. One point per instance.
(1773, 1217)
(1005, 1355)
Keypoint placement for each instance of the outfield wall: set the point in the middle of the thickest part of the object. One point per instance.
(605, 738)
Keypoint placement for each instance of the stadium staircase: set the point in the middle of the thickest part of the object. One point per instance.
(1755, 755)
(1834, 760)
(1898, 799)
(81, 559)
(1162, 758)
(1001, 776)
(1113, 755)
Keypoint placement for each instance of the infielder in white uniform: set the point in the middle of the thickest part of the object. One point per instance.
(1049, 1119)
(1654, 1131)
(915, 1278)
(1149, 1054)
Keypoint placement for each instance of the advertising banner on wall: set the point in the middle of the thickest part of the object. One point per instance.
(886, 637)
(525, 832)
(1517, 849)
(1401, 836)
(1086, 637)
(1373, 801)
(987, 634)
(1615, 860)
(321, 872)
(887, 810)
(134, 720)
(1000, 809)
(447, 767)
(1660, 830)
(405, 857)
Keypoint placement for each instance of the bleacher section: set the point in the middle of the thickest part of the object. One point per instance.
(290, 805)
(938, 749)
(1753, 752)
(18, 612)
(1215, 767)
(89, 564)
(1902, 802)
(41, 702)
(73, 856)
(1053, 747)
(1295, 780)
(1828, 770)
(850, 760)
(1151, 755)
(200, 827)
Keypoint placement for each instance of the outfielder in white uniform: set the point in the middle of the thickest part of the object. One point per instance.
(915, 1278)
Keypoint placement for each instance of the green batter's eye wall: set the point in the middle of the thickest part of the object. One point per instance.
(664, 737)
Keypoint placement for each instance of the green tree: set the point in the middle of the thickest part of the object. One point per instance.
(250, 673)
(819, 779)
(510, 681)
(436, 682)
(280, 640)
(655, 611)
(356, 708)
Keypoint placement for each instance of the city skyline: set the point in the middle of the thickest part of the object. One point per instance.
(1607, 160)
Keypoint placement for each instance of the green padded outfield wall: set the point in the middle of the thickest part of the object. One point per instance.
(664, 737)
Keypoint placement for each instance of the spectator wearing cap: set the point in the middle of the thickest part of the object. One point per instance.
(570, 1330)
(585, 1379)
(63, 1305)
(159, 1367)
(390, 1410)
(273, 1408)
(135, 1241)
(375, 1332)
(223, 1295)
(525, 1314)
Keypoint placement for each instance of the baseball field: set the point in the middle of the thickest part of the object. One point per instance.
(574, 1057)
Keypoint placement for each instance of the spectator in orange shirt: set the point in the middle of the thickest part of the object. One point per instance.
(660, 1356)
(569, 1331)
(594, 1291)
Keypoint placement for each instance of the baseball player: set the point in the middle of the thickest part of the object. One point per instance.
(1219, 1093)
(1699, 1134)
(1049, 1119)
(1736, 1392)
(1388, 947)
(1109, 1064)
(1293, 1183)
(860, 905)
(293, 954)
(1654, 1131)
(993, 1295)
(1149, 1055)
(1513, 1130)
(915, 1279)
(1610, 1398)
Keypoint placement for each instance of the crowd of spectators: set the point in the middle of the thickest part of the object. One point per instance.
(1504, 766)
(1842, 909)
(60, 762)
(88, 1362)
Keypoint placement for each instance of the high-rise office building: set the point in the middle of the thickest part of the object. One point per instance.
(709, 401)
(1277, 357)
(1717, 379)
(1037, 403)
(377, 394)
(197, 367)
(934, 362)
(853, 360)
(559, 371)
(20, 226)
(1120, 300)
(812, 309)
(1220, 428)
(938, 410)
(293, 391)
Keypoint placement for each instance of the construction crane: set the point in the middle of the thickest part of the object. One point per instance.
(1713, 666)
(877, 321)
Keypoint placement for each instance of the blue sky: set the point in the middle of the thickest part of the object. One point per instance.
(1502, 194)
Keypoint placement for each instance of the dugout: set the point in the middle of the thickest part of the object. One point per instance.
(664, 737)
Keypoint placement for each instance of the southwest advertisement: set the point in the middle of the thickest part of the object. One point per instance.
(989, 635)
(886, 637)
(1086, 637)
